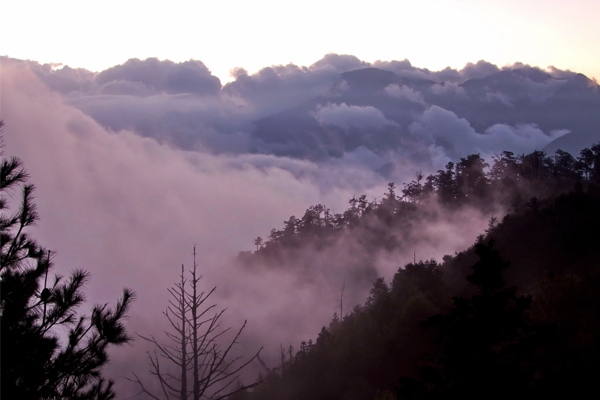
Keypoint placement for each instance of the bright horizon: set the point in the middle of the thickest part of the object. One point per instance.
(430, 34)
(135, 167)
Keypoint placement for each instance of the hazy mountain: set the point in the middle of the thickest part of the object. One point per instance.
(159, 155)
(386, 111)
(510, 97)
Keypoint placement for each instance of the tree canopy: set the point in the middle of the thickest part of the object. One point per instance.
(517, 312)
(39, 361)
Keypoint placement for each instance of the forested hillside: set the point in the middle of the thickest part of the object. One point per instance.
(405, 218)
(517, 312)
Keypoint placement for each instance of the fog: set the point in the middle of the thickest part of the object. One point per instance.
(137, 164)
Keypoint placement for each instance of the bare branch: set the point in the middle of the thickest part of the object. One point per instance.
(196, 345)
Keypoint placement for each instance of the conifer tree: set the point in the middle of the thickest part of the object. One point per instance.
(37, 361)
(483, 340)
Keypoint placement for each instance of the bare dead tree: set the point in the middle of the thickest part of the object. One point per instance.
(196, 347)
(341, 300)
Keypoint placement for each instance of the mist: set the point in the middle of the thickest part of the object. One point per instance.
(137, 164)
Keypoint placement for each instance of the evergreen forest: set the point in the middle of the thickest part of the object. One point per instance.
(517, 314)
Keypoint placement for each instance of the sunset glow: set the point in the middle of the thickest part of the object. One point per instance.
(433, 34)
(317, 157)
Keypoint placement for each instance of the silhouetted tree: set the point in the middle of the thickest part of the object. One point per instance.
(35, 362)
(595, 163)
(205, 367)
(445, 183)
(536, 165)
(483, 341)
(564, 165)
(258, 242)
(486, 340)
(471, 180)
(414, 190)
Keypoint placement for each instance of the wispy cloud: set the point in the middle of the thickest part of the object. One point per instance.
(136, 164)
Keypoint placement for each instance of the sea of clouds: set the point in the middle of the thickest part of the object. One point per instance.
(137, 164)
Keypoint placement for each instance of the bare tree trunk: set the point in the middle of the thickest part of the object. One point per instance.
(197, 349)
(194, 307)
(182, 306)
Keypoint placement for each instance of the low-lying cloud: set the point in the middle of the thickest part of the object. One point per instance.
(351, 117)
(137, 164)
(404, 92)
(274, 110)
(454, 136)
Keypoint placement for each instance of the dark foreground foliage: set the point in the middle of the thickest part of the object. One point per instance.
(40, 361)
(515, 315)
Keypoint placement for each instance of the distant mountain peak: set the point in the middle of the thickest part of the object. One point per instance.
(369, 78)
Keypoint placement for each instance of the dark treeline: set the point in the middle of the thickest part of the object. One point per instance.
(508, 184)
(516, 314)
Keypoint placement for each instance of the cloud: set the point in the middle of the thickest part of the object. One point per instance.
(561, 74)
(129, 210)
(498, 97)
(340, 62)
(404, 92)
(134, 77)
(66, 79)
(351, 117)
(136, 164)
(470, 71)
(443, 129)
(540, 91)
(519, 139)
(479, 70)
(456, 138)
(186, 121)
(288, 110)
(278, 87)
(123, 88)
(448, 89)
(164, 76)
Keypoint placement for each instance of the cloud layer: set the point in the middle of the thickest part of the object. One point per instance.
(290, 110)
(138, 163)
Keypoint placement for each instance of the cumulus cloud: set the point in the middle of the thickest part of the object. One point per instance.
(519, 139)
(404, 92)
(516, 84)
(470, 71)
(64, 79)
(448, 88)
(275, 88)
(478, 70)
(133, 77)
(499, 97)
(186, 77)
(351, 117)
(457, 138)
(129, 210)
(287, 109)
(443, 129)
(340, 62)
(561, 74)
(136, 164)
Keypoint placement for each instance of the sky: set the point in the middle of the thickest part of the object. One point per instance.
(253, 34)
(139, 162)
